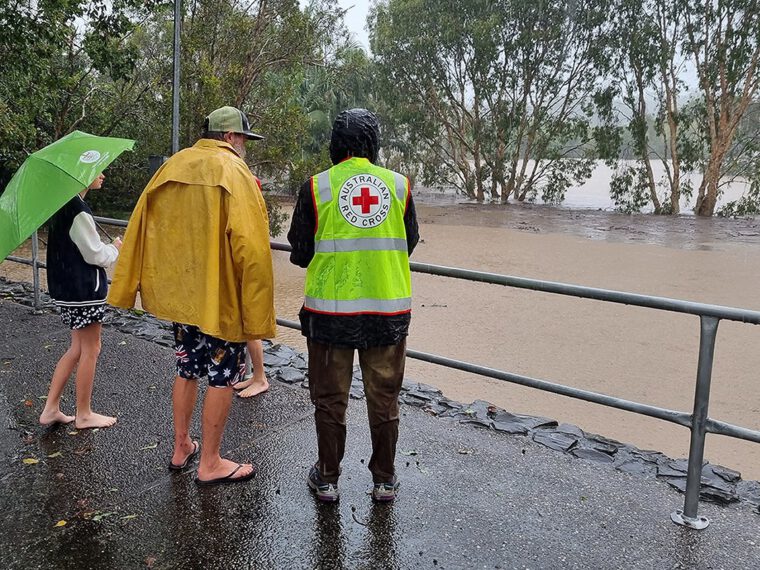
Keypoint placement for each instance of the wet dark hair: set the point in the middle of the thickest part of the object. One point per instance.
(355, 133)
(216, 135)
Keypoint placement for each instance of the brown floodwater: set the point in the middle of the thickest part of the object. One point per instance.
(633, 353)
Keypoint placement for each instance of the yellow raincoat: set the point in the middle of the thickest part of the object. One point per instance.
(197, 247)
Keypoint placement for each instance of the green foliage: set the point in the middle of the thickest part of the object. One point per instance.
(629, 188)
(502, 99)
(106, 68)
(606, 134)
(562, 175)
(743, 164)
(53, 67)
(277, 217)
(323, 91)
(303, 168)
(747, 205)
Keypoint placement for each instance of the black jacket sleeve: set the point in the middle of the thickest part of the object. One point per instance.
(302, 227)
(410, 223)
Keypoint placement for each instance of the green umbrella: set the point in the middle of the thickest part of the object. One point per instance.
(48, 179)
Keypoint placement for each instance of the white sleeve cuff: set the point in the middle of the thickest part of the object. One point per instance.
(85, 236)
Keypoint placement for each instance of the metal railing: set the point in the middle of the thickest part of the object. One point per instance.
(698, 421)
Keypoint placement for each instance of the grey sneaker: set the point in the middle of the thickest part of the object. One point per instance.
(385, 492)
(326, 492)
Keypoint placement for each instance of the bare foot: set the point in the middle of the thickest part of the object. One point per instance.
(245, 383)
(48, 418)
(94, 420)
(254, 387)
(225, 468)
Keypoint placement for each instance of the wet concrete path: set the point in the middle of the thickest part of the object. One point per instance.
(469, 498)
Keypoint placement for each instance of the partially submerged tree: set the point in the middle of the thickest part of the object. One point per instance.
(743, 165)
(723, 40)
(649, 70)
(491, 95)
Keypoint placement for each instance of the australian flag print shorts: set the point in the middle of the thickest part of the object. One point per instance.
(199, 355)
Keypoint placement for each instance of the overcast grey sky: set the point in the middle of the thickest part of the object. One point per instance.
(356, 19)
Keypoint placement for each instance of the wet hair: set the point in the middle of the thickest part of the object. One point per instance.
(355, 133)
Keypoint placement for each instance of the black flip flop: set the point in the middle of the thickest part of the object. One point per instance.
(196, 450)
(227, 479)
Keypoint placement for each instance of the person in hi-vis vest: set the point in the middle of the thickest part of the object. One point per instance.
(353, 228)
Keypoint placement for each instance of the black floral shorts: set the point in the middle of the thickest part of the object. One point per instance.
(80, 317)
(199, 354)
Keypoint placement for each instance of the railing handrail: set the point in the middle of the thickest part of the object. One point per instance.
(581, 291)
(673, 416)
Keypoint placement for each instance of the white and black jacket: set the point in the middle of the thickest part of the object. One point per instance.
(76, 258)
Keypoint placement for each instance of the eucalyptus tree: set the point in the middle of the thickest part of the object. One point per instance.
(492, 94)
(723, 41)
(650, 69)
(743, 164)
(426, 52)
(556, 56)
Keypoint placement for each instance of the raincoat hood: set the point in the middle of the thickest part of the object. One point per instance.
(355, 133)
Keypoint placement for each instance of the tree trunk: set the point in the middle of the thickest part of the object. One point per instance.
(476, 150)
(478, 167)
(497, 175)
(509, 187)
(675, 159)
(643, 136)
(675, 188)
(652, 185)
(708, 190)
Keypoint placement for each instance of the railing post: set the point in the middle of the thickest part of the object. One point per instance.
(175, 76)
(688, 517)
(36, 272)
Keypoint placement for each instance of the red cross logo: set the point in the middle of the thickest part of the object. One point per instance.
(365, 200)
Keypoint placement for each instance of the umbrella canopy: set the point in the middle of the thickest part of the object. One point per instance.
(48, 179)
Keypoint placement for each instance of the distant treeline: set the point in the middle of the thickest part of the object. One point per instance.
(467, 91)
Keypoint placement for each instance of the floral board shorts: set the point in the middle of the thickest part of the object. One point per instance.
(199, 354)
(80, 317)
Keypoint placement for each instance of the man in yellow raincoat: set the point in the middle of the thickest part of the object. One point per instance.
(197, 250)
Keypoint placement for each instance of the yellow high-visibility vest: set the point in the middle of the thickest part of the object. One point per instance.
(361, 261)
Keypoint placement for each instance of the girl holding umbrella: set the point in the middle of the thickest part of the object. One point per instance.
(77, 281)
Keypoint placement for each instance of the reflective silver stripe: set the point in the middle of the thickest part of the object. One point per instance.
(361, 244)
(400, 180)
(358, 305)
(323, 186)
